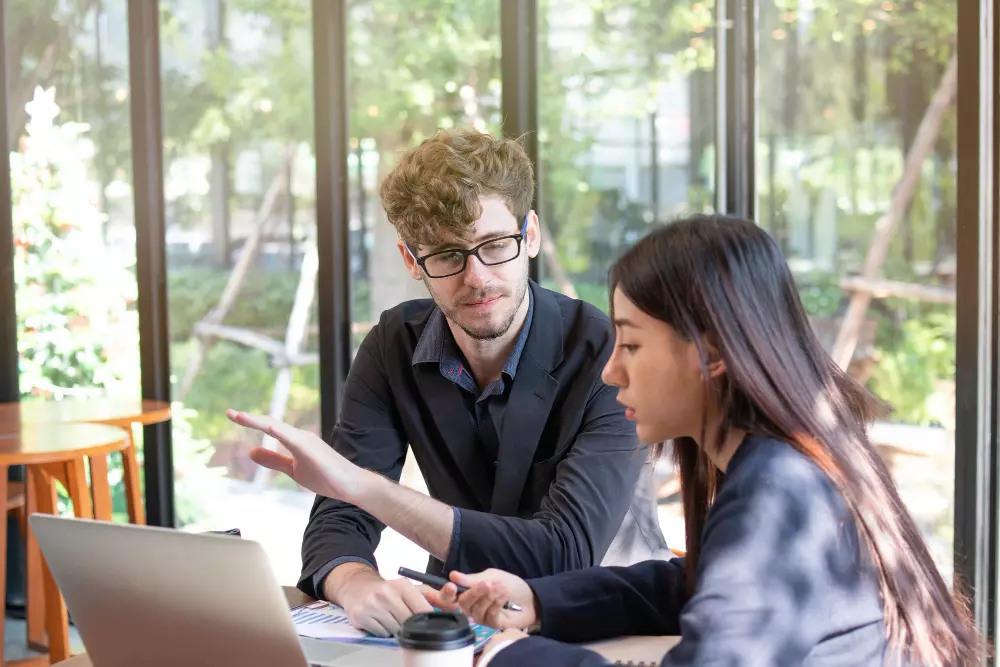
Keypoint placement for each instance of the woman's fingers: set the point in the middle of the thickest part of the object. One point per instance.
(448, 598)
(463, 579)
(476, 601)
(433, 597)
(480, 607)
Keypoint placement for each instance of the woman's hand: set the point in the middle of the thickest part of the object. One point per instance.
(313, 463)
(503, 638)
(488, 591)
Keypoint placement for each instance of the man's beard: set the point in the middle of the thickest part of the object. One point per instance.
(488, 330)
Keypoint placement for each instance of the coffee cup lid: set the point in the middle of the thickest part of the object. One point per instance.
(436, 631)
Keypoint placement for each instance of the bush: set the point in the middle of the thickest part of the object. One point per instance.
(265, 302)
(916, 365)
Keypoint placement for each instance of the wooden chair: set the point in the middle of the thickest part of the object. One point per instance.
(47, 619)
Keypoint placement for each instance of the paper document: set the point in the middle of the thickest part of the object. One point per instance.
(323, 620)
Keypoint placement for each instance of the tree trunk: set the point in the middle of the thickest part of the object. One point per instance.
(886, 226)
(235, 283)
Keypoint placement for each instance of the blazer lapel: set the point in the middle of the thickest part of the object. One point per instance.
(532, 395)
(445, 403)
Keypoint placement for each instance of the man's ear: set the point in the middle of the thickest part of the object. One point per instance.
(715, 364)
(409, 261)
(533, 235)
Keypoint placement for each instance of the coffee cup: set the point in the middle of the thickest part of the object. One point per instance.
(437, 639)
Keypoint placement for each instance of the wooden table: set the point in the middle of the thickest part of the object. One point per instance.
(623, 648)
(53, 451)
(120, 412)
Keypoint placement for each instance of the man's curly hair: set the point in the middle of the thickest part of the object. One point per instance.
(434, 191)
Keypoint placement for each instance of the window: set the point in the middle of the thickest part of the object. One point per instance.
(413, 69)
(843, 89)
(74, 260)
(626, 136)
(241, 253)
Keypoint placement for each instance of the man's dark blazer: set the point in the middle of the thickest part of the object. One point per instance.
(568, 459)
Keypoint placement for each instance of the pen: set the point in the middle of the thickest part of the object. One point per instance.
(439, 582)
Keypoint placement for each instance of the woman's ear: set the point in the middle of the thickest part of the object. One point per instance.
(715, 363)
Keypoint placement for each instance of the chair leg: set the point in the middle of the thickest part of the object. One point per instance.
(3, 547)
(100, 487)
(79, 491)
(56, 617)
(34, 585)
(133, 487)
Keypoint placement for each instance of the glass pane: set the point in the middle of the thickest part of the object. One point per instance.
(843, 89)
(415, 66)
(240, 202)
(71, 180)
(626, 135)
(626, 140)
(74, 236)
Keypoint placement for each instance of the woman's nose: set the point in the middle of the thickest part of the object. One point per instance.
(611, 372)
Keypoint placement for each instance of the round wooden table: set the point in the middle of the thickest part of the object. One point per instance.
(53, 451)
(120, 412)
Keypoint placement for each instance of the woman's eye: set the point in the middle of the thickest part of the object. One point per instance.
(627, 347)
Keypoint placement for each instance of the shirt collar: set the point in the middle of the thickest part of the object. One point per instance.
(433, 344)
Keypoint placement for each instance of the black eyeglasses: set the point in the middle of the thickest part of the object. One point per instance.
(490, 253)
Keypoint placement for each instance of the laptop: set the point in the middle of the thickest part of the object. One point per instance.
(160, 598)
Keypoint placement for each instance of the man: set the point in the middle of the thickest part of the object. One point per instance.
(494, 382)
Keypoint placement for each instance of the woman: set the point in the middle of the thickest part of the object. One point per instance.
(800, 551)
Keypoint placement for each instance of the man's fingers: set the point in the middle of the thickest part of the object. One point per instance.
(399, 610)
(273, 460)
(278, 430)
(415, 600)
(259, 422)
(370, 624)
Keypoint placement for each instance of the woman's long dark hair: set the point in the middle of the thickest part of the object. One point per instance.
(726, 277)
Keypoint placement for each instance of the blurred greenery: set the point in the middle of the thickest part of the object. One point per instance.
(843, 85)
(265, 301)
(916, 363)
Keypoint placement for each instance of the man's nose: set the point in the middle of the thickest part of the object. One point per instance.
(476, 273)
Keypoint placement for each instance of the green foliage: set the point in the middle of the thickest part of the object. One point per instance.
(265, 301)
(916, 365)
(418, 65)
(820, 295)
(233, 376)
